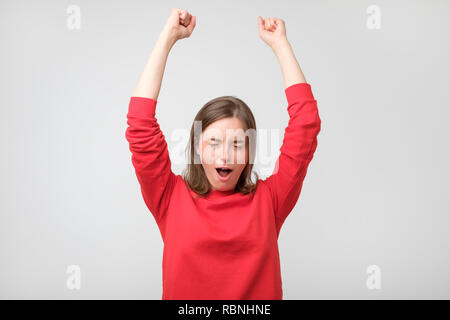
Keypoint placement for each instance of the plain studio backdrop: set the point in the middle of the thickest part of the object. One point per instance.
(375, 199)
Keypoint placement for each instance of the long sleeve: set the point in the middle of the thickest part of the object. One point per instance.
(149, 155)
(296, 152)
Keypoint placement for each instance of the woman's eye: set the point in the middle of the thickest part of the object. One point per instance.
(216, 144)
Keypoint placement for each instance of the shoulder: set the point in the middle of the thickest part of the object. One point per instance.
(183, 186)
(263, 184)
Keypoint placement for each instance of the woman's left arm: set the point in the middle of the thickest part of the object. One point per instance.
(273, 32)
(300, 136)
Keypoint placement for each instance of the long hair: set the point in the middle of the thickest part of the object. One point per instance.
(219, 108)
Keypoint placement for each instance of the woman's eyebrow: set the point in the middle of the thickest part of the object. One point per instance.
(219, 140)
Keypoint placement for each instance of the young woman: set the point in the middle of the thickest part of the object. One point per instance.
(219, 228)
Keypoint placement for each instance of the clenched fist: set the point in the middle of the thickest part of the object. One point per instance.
(272, 30)
(179, 24)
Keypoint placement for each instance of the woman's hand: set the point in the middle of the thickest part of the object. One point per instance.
(272, 31)
(180, 24)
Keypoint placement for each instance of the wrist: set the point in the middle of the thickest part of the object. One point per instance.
(280, 45)
(166, 39)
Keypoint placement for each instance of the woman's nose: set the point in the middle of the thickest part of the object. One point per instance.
(226, 153)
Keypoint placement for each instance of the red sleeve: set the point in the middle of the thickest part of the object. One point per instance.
(149, 155)
(296, 152)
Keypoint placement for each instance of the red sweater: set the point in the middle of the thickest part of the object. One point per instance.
(224, 246)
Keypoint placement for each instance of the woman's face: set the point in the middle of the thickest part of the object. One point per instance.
(222, 145)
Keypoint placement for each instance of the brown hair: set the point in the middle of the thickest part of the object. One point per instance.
(219, 108)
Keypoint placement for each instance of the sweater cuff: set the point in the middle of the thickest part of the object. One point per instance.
(298, 92)
(142, 107)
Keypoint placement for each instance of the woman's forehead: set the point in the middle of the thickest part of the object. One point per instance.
(227, 134)
(225, 128)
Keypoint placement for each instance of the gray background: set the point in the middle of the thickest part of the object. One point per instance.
(376, 192)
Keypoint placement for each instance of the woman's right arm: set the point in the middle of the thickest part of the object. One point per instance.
(149, 152)
(179, 25)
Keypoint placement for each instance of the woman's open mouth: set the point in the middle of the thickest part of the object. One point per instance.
(223, 173)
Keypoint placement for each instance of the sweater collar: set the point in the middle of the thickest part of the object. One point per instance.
(219, 194)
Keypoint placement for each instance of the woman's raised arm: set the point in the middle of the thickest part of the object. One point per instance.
(273, 32)
(300, 136)
(149, 152)
(179, 25)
